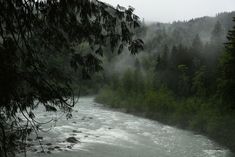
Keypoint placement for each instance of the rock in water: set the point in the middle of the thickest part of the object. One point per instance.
(76, 131)
(69, 147)
(57, 147)
(30, 139)
(39, 138)
(51, 148)
(72, 140)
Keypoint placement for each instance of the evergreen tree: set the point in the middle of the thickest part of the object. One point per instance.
(183, 83)
(226, 87)
(199, 82)
(162, 60)
(197, 45)
(217, 33)
(196, 51)
(165, 56)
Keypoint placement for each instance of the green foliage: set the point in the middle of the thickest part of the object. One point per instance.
(199, 82)
(40, 51)
(226, 80)
(184, 88)
(195, 113)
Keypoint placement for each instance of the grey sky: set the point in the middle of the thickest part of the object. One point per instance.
(173, 10)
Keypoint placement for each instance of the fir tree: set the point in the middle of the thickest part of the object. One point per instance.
(226, 87)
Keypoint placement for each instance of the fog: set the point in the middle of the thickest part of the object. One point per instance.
(83, 78)
(174, 10)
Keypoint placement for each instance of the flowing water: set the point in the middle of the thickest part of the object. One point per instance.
(106, 133)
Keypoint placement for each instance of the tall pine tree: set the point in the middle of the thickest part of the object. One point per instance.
(226, 87)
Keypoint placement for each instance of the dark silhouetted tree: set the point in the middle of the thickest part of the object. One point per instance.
(34, 36)
(217, 33)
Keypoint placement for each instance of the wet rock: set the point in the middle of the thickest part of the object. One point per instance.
(29, 139)
(42, 151)
(34, 150)
(29, 145)
(72, 140)
(69, 147)
(57, 147)
(48, 144)
(51, 148)
(39, 138)
(48, 152)
(76, 131)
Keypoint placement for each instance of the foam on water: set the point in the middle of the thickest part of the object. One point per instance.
(98, 128)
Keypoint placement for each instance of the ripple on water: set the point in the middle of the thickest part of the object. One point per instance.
(96, 127)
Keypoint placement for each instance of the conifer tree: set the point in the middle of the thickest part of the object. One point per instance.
(226, 87)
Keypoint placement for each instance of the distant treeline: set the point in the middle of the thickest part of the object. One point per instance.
(185, 77)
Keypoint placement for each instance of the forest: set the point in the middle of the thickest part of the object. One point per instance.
(184, 77)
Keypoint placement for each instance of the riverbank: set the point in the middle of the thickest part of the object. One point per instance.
(196, 114)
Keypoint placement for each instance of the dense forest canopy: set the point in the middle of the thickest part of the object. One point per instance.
(39, 51)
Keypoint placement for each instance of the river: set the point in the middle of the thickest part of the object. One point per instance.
(104, 132)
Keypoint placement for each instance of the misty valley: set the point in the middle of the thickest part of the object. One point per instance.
(84, 78)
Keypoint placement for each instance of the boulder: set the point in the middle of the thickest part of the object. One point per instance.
(51, 148)
(48, 144)
(69, 147)
(39, 138)
(72, 140)
(57, 147)
(76, 131)
(30, 139)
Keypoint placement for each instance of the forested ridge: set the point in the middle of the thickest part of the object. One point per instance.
(184, 77)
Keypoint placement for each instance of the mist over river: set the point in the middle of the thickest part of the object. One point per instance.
(103, 132)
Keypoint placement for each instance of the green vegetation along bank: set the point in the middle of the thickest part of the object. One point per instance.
(183, 87)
